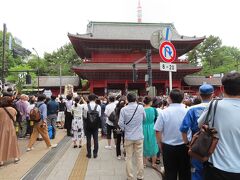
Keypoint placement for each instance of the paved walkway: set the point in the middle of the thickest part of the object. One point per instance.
(11, 171)
(66, 162)
(108, 167)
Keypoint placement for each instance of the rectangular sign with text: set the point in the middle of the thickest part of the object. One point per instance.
(168, 67)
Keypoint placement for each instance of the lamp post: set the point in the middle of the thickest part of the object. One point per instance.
(3, 54)
(60, 74)
(37, 67)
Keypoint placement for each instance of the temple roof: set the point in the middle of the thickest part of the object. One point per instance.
(199, 80)
(125, 37)
(129, 31)
(128, 66)
(54, 81)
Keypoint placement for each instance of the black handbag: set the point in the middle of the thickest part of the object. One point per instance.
(205, 140)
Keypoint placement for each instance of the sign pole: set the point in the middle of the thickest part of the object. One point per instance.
(167, 51)
(170, 80)
(170, 72)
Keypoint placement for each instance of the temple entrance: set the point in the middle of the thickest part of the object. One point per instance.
(99, 91)
(138, 87)
(116, 89)
(160, 88)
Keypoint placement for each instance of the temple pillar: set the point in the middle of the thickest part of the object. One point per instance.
(125, 88)
(91, 86)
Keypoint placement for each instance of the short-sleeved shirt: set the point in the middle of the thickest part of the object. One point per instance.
(169, 122)
(43, 109)
(190, 120)
(226, 156)
(133, 130)
(78, 111)
(108, 110)
(52, 107)
(92, 105)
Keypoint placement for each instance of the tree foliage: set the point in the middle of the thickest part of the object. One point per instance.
(14, 56)
(20, 59)
(64, 56)
(214, 57)
(17, 75)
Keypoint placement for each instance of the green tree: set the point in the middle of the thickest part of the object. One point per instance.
(209, 49)
(17, 75)
(193, 56)
(64, 56)
(14, 56)
(214, 57)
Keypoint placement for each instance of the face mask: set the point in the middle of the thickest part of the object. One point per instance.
(104, 102)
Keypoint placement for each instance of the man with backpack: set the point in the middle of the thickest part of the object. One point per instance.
(92, 114)
(41, 125)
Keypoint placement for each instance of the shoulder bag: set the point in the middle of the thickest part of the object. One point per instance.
(11, 117)
(205, 140)
(132, 116)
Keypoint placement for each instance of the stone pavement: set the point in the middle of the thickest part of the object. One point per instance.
(11, 171)
(66, 162)
(75, 165)
(108, 167)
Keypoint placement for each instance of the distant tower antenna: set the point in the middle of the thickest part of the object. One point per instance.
(139, 12)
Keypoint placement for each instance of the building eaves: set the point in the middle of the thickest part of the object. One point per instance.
(127, 66)
(129, 31)
(54, 81)
(199, 80)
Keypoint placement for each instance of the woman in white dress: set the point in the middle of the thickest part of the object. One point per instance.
(77, 123)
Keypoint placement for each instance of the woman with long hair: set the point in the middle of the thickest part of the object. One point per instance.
(77, 123)
(9, 149)
(150, 147)
(117, 129)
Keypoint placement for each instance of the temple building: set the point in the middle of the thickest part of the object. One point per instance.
(109, 49)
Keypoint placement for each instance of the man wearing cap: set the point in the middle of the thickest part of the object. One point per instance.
(190, 123)
(224, 164)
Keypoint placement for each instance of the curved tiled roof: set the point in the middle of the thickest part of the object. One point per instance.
(128, 66)
(129, 31)
(54, 81)
(199, 80)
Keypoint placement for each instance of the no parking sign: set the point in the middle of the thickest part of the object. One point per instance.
(167, 51)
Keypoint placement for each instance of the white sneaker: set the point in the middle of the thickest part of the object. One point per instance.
(53, 146)
(29, 149)
(119, 157)
(108, 147)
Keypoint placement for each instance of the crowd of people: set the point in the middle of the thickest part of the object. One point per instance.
(147, 127)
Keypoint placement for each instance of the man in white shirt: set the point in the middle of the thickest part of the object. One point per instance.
(89, 130)
(175, 153)
(110, 127)
(224, 163)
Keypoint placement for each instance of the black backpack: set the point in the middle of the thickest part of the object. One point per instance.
(113, 117)
(92, 121)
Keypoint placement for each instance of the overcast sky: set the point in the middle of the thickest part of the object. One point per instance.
(44, 24)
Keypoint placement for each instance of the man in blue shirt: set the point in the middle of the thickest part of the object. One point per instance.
(41, 126)
(190, 123)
